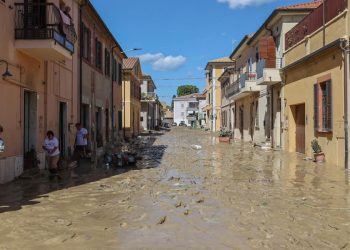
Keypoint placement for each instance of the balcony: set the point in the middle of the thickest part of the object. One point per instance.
(269, 74)
(148, 97)
(246, 85)
(193, 109)
(43, 31)
(191, 118)
(327, 11)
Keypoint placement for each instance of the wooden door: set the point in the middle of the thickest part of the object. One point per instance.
(300, 128)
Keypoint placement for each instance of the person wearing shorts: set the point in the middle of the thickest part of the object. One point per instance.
(51, 147)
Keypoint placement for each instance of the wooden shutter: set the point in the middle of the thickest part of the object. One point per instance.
(263, 48)
(316, 107)
(329, 115)
(267, 50)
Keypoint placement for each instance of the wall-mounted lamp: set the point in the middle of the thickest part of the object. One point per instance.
(7, 72)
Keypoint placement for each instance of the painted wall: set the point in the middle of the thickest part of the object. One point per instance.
(51, 82)
(299, 89)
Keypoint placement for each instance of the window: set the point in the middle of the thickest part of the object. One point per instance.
(120, 74)
(323, 106)
(107, 63)
(114, 69)
(141, 119)
(182, 105)
(98, 54)
(86, 43)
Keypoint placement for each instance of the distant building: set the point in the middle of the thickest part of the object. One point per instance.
(149, 104)
(186, 109)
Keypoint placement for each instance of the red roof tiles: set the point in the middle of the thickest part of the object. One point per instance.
(130, 63)
(309, 5)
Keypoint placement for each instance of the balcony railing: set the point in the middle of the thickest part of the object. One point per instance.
(248, 76)
(150, 96)
(44, 21)
(328, 10)
(261, 65)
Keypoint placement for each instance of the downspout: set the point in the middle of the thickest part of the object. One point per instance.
(345, 48)
(114, 116)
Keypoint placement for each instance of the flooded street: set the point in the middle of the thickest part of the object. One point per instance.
(219, 196)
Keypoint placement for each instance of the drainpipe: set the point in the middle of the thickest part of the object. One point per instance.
(114, 117)
(345, 48)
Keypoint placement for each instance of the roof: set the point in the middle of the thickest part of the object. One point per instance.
(308, 5)
(301, 7)
(195, 95)
(245, 38)
(129, 63)
(223, 60)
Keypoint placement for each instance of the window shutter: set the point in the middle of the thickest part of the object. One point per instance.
(263, 48)
(316, 107)
(329, 125)
(271, 53)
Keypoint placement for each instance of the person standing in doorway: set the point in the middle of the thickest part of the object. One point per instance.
(81, 140)
(51, 147)
(2, 143)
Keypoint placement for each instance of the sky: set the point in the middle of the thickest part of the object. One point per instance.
(179, 37)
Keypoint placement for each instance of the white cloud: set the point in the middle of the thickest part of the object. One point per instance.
(161, 62)
(234, 4)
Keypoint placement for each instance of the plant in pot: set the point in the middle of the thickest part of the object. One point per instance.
(318, 154)
(225, 136)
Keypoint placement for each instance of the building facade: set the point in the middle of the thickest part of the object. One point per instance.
(315, 88)
(101, 78)
(149, 104)
(186, 109)
(40, 93)
(214, 70)
(132, 78)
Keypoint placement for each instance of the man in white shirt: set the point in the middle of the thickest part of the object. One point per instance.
(81, 140)
(51, 147)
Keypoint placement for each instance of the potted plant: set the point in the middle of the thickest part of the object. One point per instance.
(225, 136)
(318, 154)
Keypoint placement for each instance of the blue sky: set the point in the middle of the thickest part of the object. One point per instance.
(178, 37)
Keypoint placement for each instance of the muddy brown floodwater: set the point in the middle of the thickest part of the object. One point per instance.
(217, 197)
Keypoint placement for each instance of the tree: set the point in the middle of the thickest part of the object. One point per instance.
(186, 90)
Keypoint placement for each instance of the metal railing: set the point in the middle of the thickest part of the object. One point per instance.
(43, 21)
(247, 76)
(328, 10)
(150, 96)
(261, 65)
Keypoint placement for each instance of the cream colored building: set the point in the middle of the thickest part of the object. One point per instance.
(315, 82)
(214, 70)
(132, 77)
(42, 92)
(253, 92)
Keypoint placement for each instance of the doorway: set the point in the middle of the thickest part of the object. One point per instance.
(107, 125)
(241, 120)
(30, 126)
(98, 119)
(63, 128)
(299, 117)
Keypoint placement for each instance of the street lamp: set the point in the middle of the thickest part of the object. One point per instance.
(124, 102)
(7, 72)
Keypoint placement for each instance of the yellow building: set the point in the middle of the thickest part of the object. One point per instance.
(314, 82)
(132, 77)
(214, 70)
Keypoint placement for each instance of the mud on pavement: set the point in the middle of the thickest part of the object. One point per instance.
(216, 196)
